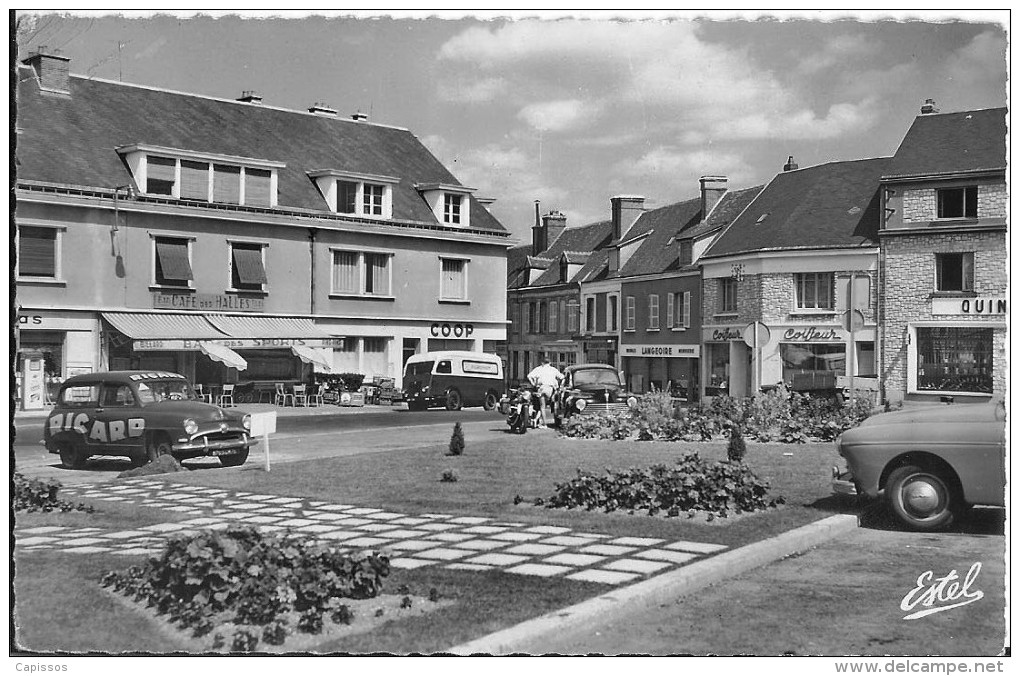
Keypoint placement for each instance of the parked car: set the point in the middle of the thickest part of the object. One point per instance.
(142, 415)
(588, 388)
(929, 464)
(453, 379)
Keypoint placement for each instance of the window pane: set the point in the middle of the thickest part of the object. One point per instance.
(954, 359)
(373, 199)
(161, 174)
(377, 279)
(451, 208)
(37, 252)
(194, 180)
(949, 271)
(226, 184)
(346, 197)
(345, 272)
(257, 185)
(803, 361)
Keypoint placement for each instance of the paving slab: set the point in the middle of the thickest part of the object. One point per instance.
(636, 566)
(665, 555)
(636, 542)
(698, 547)
(535, 549)
(409, 563)
(365, 542)
(607, 550)
(539, 569)
(485, 530)
(516, 537)
(481, 545)
(567, 540)
(547, 530)
(411, 545)
(576, 560)
(468, 566)
(470, 520)
(603, 576)
(443, 553)
(498, 559)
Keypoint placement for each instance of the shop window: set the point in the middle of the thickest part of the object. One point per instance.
(954, 359)
(39, 252)
(653, 312)
(589, 315)
(50, 343)
(727, 294)
(172, 256)
(814, 290)
(718, 356)
(803, 363)
(954, 271)
(247, 266)
(957, 202)
(630, 317)
(453, 279)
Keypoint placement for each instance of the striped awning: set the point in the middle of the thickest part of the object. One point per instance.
(223, 354)
(158, 326)
(266, 327)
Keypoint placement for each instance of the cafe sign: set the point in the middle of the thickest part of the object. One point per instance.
(661, 350)
(971, 307)
(235, 344)
(207, 301)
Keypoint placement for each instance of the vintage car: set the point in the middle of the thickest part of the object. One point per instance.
(142, 415)
(588, 388)
(928, 463)
(453, 379)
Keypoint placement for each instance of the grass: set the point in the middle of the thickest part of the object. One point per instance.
(57, 611)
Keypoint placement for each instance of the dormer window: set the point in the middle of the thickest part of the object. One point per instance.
(202, 177)
(449, 203)
(365, 195)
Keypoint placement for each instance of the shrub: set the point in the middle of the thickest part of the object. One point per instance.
(608, 425)
(457, 440)
(351, 381)
(737, 448)
(692, 485)
(37, 495)
(244, 577)
(449, 476)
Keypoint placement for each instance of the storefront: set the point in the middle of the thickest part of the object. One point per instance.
(667, 368)
(68, 342)
(600, 351)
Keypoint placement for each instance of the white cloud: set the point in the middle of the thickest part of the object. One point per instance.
(557, 115)
(672, 161)
(981, 60)
(841, 119)
(466, 91)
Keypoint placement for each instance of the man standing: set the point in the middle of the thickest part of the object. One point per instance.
(546, 378)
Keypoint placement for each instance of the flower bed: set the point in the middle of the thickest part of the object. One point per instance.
(37, 495)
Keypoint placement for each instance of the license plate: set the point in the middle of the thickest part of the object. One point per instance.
(224, 451)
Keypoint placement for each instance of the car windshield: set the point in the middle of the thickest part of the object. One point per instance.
(596, 377)
(164, 389)
(421, 368)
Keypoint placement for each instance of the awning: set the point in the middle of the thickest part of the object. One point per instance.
(248, 263)
(310, 355)
(172, 257)
(223, 354)
(266, 327)
(156, 326)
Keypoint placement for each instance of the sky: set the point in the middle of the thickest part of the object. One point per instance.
(572, 111)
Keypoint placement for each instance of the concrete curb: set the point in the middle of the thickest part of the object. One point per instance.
(635, 598)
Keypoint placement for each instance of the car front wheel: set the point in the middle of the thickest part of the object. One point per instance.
(453, 401)
(920, 498)
(234, 460)
(491, 400)
(158, 446)
(71, 455)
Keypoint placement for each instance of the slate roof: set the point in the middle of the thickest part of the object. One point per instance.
(576, 257)
(726, 209)
(72, 141)
(655, 254)
(834, 205)
(539, 262)
(596, 269)
(582, 239)
(951, 143)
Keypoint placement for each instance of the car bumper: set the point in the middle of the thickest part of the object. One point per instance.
(843, 483)
(204, 446)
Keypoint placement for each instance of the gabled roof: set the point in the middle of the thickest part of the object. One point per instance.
(655, 254)
(71, 140)
(952, 143)
(723, 213)
(596, 269)
(575, 257)
(834, 205)
(585, 238)
(538, 262)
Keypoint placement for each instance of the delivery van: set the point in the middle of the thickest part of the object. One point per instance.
(453, 379)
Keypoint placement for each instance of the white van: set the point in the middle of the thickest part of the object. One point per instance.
(453, 379)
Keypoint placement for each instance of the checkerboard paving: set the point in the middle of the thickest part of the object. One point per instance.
(468, 543)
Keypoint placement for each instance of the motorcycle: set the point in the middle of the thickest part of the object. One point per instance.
(522, 410)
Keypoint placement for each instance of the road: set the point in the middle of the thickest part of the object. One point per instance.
(297, 438)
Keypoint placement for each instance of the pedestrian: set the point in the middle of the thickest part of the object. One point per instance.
(546, 378)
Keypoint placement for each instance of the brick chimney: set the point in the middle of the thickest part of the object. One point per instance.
(791, 164)
(554, 223)
(626, 210)
(52, 70)
(929, 107)
(538, 241)
(322, 109)
(250, 96)
(712, 190)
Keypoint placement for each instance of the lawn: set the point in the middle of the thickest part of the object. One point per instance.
(59, 605)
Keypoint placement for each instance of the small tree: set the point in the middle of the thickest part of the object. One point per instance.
(737, 447)
(457, 441)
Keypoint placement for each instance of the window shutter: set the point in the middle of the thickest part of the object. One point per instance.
(194, 180)
(226, 184)
(452, 281)
(37, 252)
(687, 310)
(256, 187)
(172, 259)
(670, 303)
(248, 264)
(161, 168)
(554, 316)
(968, 271)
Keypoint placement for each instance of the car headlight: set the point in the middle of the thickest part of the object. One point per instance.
(580, 404)
(246, 421)
(632, 402)
(190, 426)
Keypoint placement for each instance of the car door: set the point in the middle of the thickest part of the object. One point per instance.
(119, 422)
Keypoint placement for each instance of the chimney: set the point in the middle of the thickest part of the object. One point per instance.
(626, 210)
(929, 107)
(538, 242)
(52, 70)
(359, 117)
(322, 109)
(712, 190)
(554, 223)
(250, 96)
(791, 164)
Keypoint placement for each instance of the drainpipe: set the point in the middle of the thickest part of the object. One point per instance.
(311, 271)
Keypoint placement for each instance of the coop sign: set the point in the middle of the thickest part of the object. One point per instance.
(977, 307)
(456, 330)
(810, 334)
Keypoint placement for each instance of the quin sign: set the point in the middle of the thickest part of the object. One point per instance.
(456, 330)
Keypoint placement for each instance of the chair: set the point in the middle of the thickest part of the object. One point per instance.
(281, 396)
(203, 395)
(228, 395)
(315, 398)
(299, 395)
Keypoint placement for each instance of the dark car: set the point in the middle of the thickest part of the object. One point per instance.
(929, 464)
(142, 415)
(588, 388)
